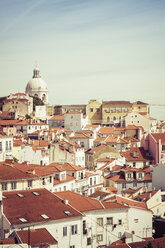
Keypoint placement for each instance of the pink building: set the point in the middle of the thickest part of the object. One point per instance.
(155, 144)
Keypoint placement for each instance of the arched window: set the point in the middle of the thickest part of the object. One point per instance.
(114, 118)
(108, 119)
(43, 97)
(36, 95)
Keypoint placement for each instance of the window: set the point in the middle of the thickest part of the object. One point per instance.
(135, 185)
(136, 220)
(108, 119)
(43, 181)
(72, 246)
(120, 109)
(114, 118)
(84, 227)
(91, 109)
(0, 146)
(4, 186)
(140, 175)
(23, 220)
(126, 109)
(97, 110)
(74, 229)
(35, 193)
(20, 195)
(10, 145)
(7, 146)
(123, 185)
(94, 180)
(88, 241)
(108, 109)
(44, 216)
(134, 164)
(114, 109)
(119, 235)
(99, 237)
(64, 188)
(100, 221)
(68, 213)
(82, 143)
(129, 175)
(119, 222)
(50, 179)
(29, 183)
(163, 147)
(109, 220)
(91, 181)
(13, 185)
(64, 231)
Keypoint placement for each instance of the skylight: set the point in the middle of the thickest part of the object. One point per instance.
(35, 193)
(45, 216)
(68, 213)
(20, 195)
(23, 220)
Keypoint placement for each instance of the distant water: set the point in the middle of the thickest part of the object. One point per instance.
(157, 112)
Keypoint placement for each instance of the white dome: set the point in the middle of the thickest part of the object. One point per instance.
(36, 84)
(37, 87)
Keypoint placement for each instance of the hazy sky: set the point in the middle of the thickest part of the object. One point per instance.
(85, 49)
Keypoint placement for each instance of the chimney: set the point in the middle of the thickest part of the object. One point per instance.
(65, 202)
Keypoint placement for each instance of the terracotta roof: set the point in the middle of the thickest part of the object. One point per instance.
(66, 167)
(9, 172)
(7, 241)
(57, 118)
(159, 242)
(38, 237)
(136, 154)
(159, 136)
(106, 130)
(81, 136)
(9, 122)
(41, 201)
(17, 143)
(145, 196)
(68, 179)
(133, 127)
(116, 103)
(80, 202)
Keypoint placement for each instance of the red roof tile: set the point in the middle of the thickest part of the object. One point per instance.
(44, 203)
(38, 237)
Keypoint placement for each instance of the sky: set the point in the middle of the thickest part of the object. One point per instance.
(85, 49)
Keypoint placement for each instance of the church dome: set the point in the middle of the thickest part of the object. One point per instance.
(36, 83)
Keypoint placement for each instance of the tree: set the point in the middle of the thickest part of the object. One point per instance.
(37, 102)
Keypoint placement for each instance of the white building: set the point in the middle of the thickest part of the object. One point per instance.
(6, 146)
(37, 87)
(148, 123)
(75, 121)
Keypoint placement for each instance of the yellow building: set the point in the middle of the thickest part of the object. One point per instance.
(94, 112)
(49, 110)
(19, 103)
(113, 111)
(140, 107)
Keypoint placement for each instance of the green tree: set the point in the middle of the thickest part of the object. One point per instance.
(37, 102)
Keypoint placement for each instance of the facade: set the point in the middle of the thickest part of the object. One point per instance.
(56, 121)
(37, 87)
(155, 144)
(113, 111)
(15, 176)
(19, 103)
(6, 146)
(128, 178)
(75, 121)
(94, 112)
(138, 119)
